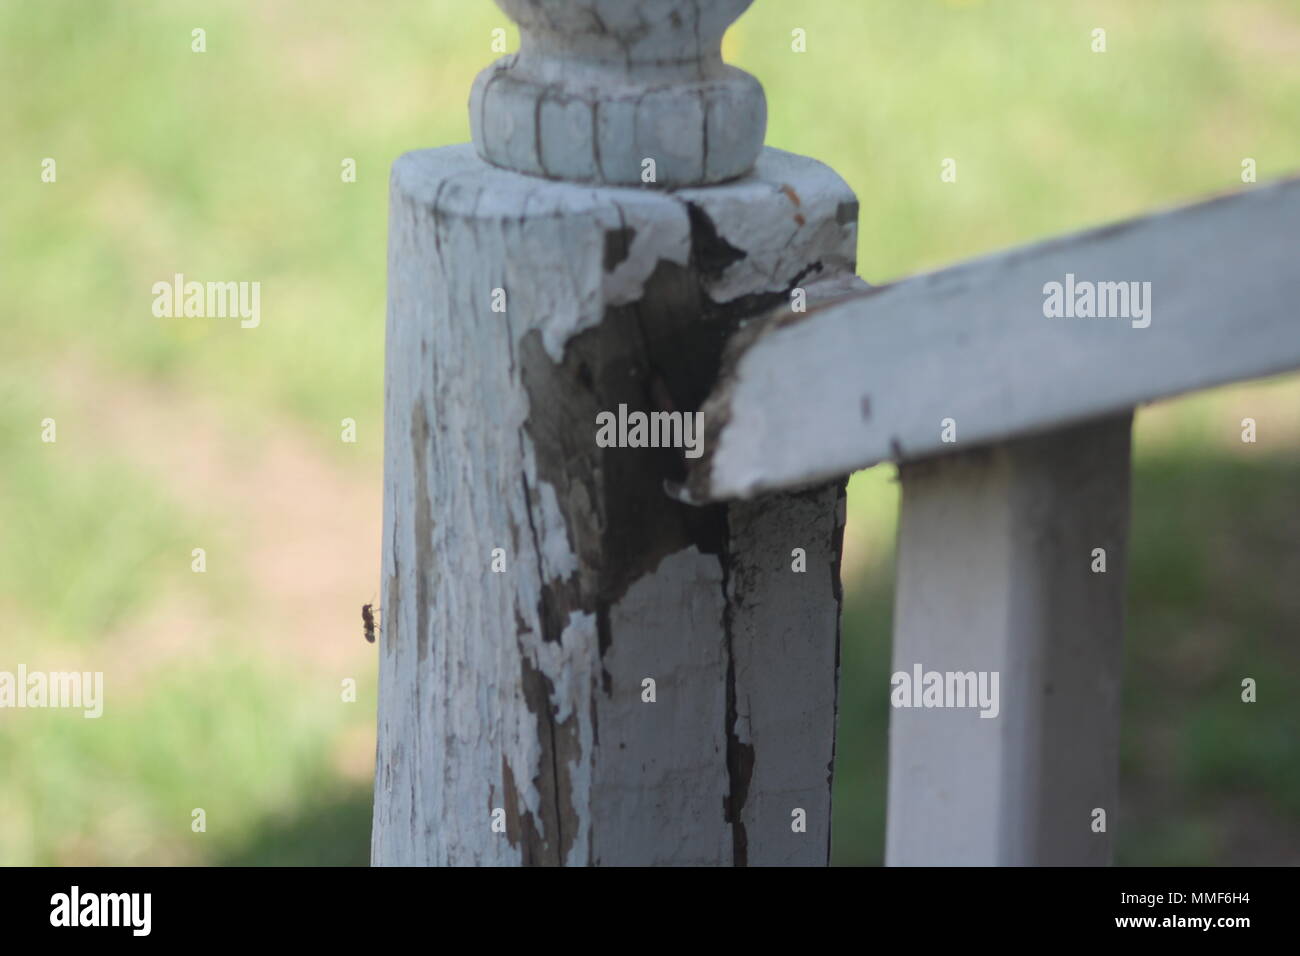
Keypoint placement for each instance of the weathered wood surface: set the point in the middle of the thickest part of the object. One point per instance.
(995, 575)
(597, 88)
(522, 690)
(873, 378)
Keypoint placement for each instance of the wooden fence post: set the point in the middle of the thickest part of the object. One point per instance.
(1011, 550)
(1011, 562)
(575, 667)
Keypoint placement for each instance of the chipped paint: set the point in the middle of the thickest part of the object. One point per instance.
(526, 688)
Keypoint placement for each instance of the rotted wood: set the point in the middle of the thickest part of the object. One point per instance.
(519, 695)
(876, 377)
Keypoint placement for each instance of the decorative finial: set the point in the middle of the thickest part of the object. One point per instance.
(620, 93)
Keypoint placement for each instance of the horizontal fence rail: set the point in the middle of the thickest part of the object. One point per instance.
(1009, 345)
(579, 669)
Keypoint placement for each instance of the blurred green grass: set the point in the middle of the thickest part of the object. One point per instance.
(227, 164)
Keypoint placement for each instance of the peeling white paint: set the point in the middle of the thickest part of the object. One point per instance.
(662, 234)
(972, 343)
(460, 642)
(807, 197)
(558, 559)
(598, 87)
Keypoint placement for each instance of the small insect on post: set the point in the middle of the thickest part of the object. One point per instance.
(577, 668)
(368, 620)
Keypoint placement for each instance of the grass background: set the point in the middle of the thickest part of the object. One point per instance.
(223, 688)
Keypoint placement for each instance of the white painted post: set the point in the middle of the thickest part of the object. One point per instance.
(574, 667)
(871, 377)
(998, 551)
(597, 88)
(1014, 518)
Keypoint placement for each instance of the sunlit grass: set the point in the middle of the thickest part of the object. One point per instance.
(226, 165)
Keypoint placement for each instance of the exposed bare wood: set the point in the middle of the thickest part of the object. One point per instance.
(874, 377)
(523, 691)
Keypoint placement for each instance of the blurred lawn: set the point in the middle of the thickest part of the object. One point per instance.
(223, 689)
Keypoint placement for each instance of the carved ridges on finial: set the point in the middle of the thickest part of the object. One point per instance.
(600, 86)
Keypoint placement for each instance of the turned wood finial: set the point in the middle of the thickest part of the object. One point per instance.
(620, 92)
